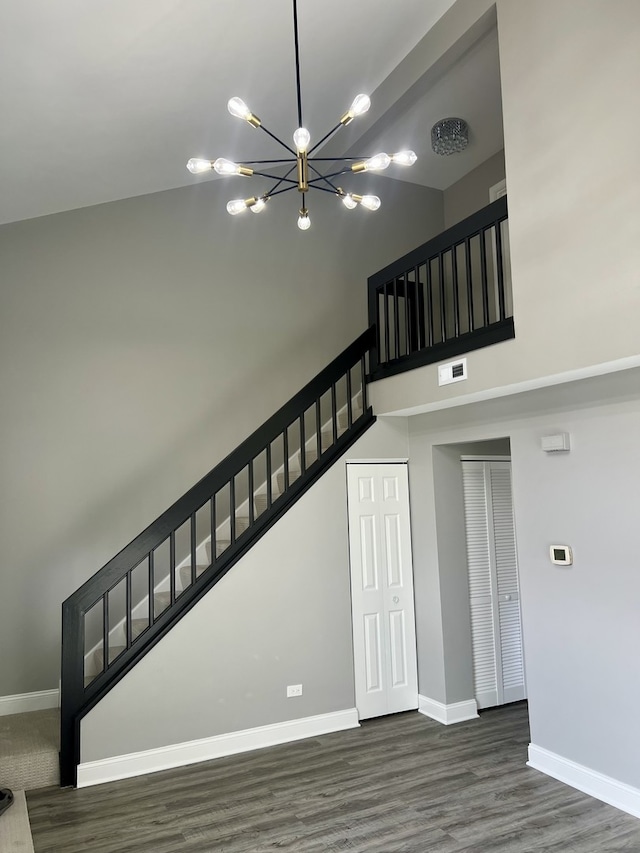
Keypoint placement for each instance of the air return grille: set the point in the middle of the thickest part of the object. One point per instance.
(454, 371)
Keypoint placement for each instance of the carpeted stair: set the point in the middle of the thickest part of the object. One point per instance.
(29, 745)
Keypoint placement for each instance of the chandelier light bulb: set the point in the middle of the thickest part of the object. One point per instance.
(239, 109)
(360, 105)
(226, 167)
(377, 163)
(371, 202)
(404, 158)
(236, 206)
(301, 139)
(349, 201)
(304, 223)
(259, 205)
(197, 166)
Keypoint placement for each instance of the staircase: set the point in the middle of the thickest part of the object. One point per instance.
(121, 612)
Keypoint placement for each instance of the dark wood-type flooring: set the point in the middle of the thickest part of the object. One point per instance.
(399, 783)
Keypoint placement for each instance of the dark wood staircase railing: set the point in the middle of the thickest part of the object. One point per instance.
(248, 491)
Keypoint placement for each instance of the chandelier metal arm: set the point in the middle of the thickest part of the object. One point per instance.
(266, 162)
(333, 191)
(276, 178)
(326, 136)
(331, 175)
(278, 140)
(282, 180)
(278, 192)
(320, 177)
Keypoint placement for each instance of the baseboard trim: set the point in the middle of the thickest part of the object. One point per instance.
(191, 752)
(617, 794)
(41, 700)
(457, 712)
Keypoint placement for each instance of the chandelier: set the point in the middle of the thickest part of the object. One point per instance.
(307, 168)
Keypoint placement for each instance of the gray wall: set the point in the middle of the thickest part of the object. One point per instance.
(471, 193)
(574, 217)
(443, 625)
(281, 616)
(139, 342)
(580, 624)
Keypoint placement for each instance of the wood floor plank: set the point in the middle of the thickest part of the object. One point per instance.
(399, 784)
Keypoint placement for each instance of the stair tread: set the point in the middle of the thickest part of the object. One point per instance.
(187, 569)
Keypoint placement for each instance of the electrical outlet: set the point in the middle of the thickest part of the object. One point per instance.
(294, 690)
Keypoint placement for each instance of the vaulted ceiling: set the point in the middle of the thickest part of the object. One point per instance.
(106, 100)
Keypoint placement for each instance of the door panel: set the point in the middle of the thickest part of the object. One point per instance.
(382, 589)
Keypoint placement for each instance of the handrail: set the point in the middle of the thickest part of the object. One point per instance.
(446, 297)
(158, 530)
(78, 697)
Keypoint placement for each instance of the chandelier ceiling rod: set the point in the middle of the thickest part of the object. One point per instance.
(297, 48)
(301, 161)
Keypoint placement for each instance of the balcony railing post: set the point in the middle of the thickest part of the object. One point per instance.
(485, 279)
(387, 354)
(407, 330)
(467, 256)
(396, 320)
(374, 320)
(172, 566)
(443, 297)
(456, 295)
(500, 271)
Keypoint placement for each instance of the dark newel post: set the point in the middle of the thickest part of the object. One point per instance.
(72, 682)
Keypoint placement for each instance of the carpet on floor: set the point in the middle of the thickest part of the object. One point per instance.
(29, 750)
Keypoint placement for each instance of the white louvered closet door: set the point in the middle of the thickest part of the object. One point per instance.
(494, 594)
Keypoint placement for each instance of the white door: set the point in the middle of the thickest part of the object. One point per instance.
(384, 636)
(494, 594)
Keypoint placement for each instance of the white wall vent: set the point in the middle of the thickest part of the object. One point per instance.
(454, 371)
(559, 443)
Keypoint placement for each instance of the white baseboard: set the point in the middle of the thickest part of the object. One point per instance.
(597, 785)
(41, 700)
(191, 752)
(457, 712)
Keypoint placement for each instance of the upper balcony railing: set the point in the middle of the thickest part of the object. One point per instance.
(447, 297)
